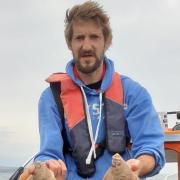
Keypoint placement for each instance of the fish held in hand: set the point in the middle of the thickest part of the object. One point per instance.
(41, 172)
(119, 170)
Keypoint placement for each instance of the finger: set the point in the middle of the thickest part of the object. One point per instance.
(63, 167)
(133, 164)
(31, 169)
(54, 166)
(24, 175)
(51, 165)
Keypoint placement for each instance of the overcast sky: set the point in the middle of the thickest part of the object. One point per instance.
(146, 47)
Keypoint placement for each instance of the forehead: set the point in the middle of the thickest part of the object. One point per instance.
(86, 27)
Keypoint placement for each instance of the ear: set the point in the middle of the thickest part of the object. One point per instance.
(108, 43)
(69, 47)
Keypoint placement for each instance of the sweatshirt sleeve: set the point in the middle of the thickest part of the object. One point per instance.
(143, 124)
(50, 127)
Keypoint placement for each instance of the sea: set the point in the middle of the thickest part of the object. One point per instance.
(6, 172)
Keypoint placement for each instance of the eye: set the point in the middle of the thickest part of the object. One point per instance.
(79, 37)
(94, 36)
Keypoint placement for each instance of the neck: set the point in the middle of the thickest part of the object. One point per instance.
(92, 77)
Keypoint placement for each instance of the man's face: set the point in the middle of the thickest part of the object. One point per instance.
(87, 45)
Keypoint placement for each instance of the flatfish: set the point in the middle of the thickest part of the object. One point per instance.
(119, 170)
(41, 173)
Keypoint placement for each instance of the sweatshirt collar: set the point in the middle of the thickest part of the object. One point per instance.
(107, 77)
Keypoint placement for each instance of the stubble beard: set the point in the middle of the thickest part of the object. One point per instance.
(89, 68)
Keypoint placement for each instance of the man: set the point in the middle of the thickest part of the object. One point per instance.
(102, 109)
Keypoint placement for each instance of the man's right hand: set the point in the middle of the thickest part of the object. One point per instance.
(58, 167)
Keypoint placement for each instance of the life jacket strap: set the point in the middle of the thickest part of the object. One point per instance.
(56, 91)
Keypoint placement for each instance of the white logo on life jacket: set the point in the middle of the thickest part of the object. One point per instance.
(94, 108)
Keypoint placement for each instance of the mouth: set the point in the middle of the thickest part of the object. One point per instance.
(87, 55)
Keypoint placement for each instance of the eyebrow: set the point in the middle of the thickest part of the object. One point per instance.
(92, 34)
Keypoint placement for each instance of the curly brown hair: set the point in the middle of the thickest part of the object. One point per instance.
(90, 10)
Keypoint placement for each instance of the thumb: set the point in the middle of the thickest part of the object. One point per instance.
(134, 164)
(31, 169)
(24, 175)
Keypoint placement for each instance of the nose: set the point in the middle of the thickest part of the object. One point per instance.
(86, 46)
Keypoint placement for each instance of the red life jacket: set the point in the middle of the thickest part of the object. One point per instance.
(75, 117)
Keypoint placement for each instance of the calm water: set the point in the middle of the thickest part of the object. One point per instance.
(6, 172)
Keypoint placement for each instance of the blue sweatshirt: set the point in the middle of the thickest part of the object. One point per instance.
(142, 120)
